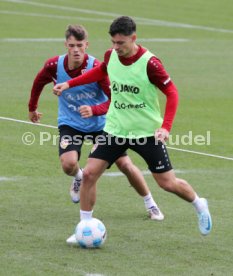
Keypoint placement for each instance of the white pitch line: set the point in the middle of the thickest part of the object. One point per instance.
(27, 122)
(13, 40)
(172, 148)
(163, 40)
(141, 20)
(94, 274)
(64, 8)
(145, 172)
(202, 153)
(116, 174)
(4, 178)
(56, 16)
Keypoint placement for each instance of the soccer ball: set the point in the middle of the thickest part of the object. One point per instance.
(90, 233)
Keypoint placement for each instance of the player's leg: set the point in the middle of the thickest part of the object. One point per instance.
(69, 152)
(138, 182)
(156, 156)
(92, 171)
(70, 166)
(102, 155)
(170, 183)
(69, 162)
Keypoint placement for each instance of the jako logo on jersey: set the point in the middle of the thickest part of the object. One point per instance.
(116, 88)
(70, 97)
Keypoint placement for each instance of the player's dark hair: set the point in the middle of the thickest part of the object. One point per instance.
(78, 31)
(122, 25)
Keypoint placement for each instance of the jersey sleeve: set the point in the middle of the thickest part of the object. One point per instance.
(94, 75)
(171, 105)
(46, 75)
(100, 109)
(104, 84)
(160, 78)
(157, 73)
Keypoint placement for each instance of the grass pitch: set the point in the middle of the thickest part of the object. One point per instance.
(194, 41)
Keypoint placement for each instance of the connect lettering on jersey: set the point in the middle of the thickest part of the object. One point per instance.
(129, 106)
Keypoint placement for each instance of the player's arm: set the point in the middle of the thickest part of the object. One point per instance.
(87, 111)
(159, 77)
(46, 75)
(102, 108)
(104, 84)
(37, 87)
(172, 95)
(96, 74)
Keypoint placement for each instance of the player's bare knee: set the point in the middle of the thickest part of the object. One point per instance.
(69, 167)
(88, 175)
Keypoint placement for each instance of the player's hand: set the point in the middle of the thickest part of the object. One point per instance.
(85, 111)
(161, 134)
(60, 87)
(34, 116)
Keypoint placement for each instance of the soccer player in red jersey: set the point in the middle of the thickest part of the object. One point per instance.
(81, 113)
(135, 74)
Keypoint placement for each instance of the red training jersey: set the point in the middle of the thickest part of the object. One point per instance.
(156, 74)
(48, 74)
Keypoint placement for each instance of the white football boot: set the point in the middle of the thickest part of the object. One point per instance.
(75, 189)
(155, 213)
(72, 240)
(204, 218)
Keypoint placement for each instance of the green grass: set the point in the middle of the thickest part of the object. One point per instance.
(36, 213)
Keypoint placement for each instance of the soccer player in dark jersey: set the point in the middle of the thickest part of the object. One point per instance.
(81, 113)
(135, 74)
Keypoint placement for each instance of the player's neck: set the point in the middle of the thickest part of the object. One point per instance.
(133, 51)
(74, 65)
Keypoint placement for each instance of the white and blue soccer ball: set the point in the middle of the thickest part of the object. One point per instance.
(90, 233)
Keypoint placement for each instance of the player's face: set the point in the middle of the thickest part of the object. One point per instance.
(76, 49)
(124, 45)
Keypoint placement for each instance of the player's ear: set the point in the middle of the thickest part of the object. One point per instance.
(65, 43)
(134, 37)
(87, 44)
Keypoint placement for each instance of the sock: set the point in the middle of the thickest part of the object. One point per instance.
(79, 174)
(85, 214)
(149, 201)
(197, 203)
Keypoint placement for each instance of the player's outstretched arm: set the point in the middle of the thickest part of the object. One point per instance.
(60, 87)
(95, 74)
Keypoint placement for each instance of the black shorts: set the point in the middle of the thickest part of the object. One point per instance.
(152, 151)
(73, 139)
